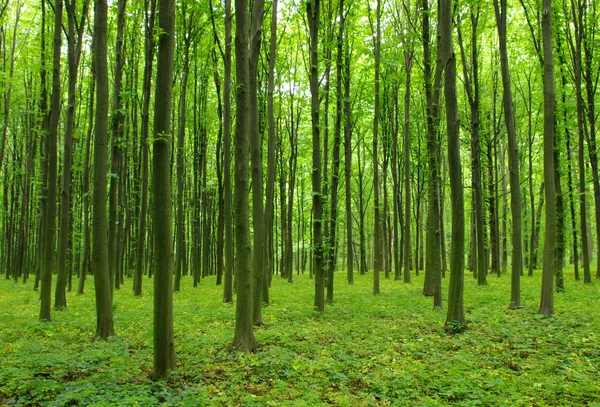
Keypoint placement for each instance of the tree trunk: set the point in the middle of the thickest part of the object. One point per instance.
(73, 56)
(455, 319)
(348, 165)
(313, 11)
(227, 201)
(513, 160)
(335, 170)
(433, 269)
(377, 232)
(244, 335)
(180, 263)
(164, 346)
(149, 13)
(271, 162)
(52, 157)
(472, 86)
(85, 258)
(117, 133)
(104, 316)
(547, 298)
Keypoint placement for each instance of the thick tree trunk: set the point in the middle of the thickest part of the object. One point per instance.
(455, 318)
(244, 335)
(104, 316)
(164, 346)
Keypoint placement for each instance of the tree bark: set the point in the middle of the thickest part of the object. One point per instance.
(164, 346)
(104, 316)
(313, 14)
(513, 160)
(52, 157)
(149, 13)
(455, 319)
(547, 298)
(244, 335)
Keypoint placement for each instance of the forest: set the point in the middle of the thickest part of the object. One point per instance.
(299, 202)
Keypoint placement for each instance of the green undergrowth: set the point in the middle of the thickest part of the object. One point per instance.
(365, 350)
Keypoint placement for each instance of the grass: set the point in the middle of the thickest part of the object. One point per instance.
(363, 351)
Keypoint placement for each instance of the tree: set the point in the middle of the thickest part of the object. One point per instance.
(433, 268)
(74, 44)
(455, 318)
(164, 347)
(104, 315)
(513, 159)
(377, 234)
(335, 171)
(313, 14)
(52, 157)
(243, 338)
(547, 297)
(472, 86)
(271, 162)
(258, 258)
(149, 13)
(117, 119)
(228, 286)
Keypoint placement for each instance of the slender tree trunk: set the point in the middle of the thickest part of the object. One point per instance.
(180, 262)
(52, 157)
(336, 155)
(348, 163)
(117, 134)
(578, 12)
(513, 160)
(408, 61)
(377, 234)
(228, 286)
(85, 259)
(259, 251)
(472, 87)
(313, 14)
(149, 13)
(73, 56)
(271, 162)
(547, 298)
(432, 282)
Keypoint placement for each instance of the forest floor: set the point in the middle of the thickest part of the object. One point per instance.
(363, 351)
